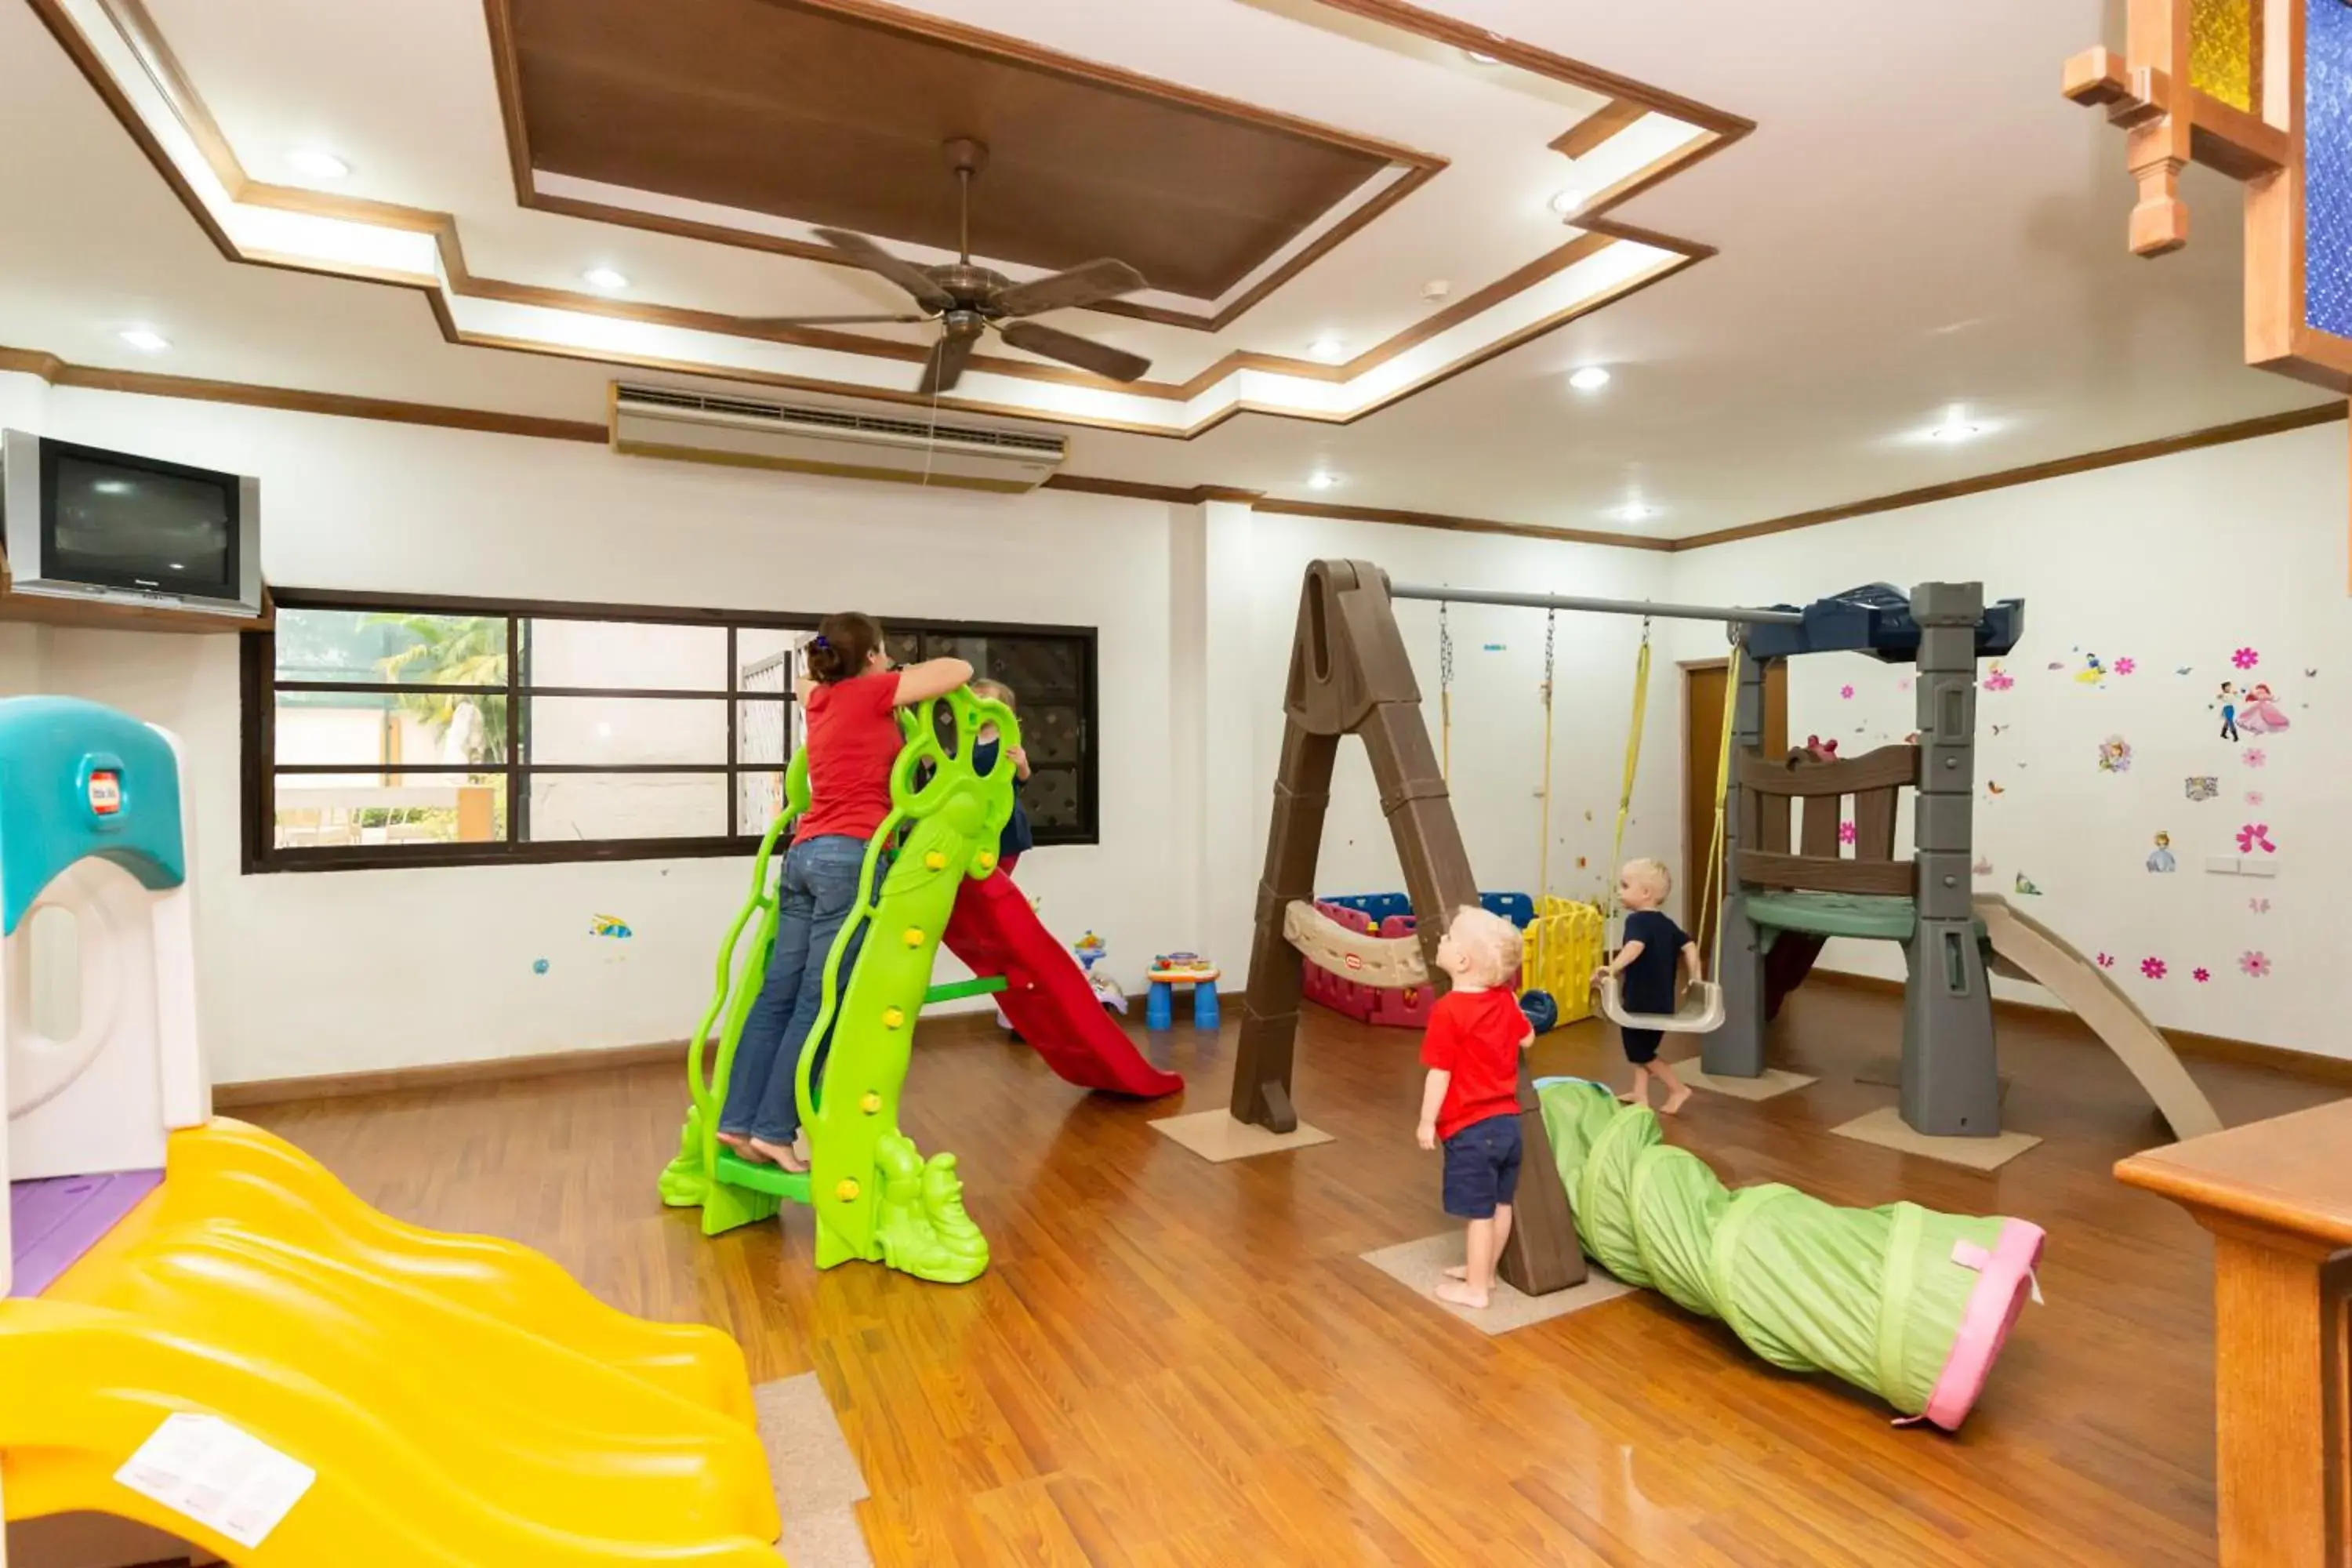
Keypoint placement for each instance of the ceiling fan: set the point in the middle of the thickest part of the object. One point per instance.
(968, 300)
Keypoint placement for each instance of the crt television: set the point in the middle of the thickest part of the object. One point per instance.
(83, 523)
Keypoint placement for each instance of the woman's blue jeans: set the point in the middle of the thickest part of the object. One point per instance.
(818, 888)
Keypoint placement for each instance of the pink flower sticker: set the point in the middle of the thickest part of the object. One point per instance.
(2256, 835)
(2106, 960)
(2259, 906)
(2125, 666)
(2246, 659)
(2201, 974)
(2253, 797)
(1846, 692)
(2152, 968)
(1845, 832)
(2255, 757)
(2255, 965)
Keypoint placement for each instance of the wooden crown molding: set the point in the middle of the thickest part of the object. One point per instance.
(2032, 473)
(146, 41)
(58, 371)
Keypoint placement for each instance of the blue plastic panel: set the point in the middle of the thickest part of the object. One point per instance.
(2327, 167)
(76, 780)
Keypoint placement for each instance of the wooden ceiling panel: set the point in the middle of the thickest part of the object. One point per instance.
(832, 111)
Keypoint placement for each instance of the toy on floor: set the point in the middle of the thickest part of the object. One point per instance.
(1168, 972)
(1362, 960)
(875, 1198)
(1090, 950)
(190, 1298)
(1906, 1303)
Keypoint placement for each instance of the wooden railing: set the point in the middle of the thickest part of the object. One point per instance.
(2277, 1197)
(1875, 781)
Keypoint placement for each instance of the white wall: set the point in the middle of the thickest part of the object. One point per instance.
(324, 972)
(341, 972)
(2173, 564)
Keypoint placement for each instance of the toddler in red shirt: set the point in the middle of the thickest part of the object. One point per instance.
(1471, 1102)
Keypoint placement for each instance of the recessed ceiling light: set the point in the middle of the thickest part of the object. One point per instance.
(145, 338)
(1321, 479)
(317, 163)
(1592, 378)
(1958, 430)
(1635, 512)
(1569, 201)
(1476, 58)
(606, 279)
(1328, 347)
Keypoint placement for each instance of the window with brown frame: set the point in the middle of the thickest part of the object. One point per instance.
(406, 730)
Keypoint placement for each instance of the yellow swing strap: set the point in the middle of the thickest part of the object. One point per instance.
(1716, 885)
(1626, 795)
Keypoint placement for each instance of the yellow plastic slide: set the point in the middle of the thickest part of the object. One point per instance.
(462, 1400)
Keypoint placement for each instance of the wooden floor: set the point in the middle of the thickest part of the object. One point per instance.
(1178, 1363)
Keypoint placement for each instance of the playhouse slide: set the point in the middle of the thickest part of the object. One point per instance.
(995, 932)
(2025, 948)
(443, 1400)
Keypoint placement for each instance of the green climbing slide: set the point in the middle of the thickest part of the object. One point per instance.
(874, 1196)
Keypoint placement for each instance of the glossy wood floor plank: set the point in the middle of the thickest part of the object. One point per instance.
(1172, 1362)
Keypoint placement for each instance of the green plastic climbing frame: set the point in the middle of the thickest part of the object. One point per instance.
(874, 1196)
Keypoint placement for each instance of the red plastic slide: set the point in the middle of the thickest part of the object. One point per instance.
(994, 932)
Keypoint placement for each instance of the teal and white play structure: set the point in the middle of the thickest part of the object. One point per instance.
(87, 794)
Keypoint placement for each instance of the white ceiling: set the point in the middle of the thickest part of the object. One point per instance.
(1893, 242)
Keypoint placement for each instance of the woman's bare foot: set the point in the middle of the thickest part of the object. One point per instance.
(1460, 1293)
(1675, 1102)
(788, 1158)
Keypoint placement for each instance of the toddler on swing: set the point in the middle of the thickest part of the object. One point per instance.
(1655, 961)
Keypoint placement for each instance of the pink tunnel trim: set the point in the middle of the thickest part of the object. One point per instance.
(2004, 1276)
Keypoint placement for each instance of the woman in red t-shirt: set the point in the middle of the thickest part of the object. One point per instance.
(852, 698)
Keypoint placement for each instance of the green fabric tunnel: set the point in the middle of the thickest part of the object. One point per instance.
(1908, 1303)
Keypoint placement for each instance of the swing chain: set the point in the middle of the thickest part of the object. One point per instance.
(1444, 647)
(1551, 621)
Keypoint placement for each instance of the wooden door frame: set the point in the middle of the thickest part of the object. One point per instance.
(1685, 669)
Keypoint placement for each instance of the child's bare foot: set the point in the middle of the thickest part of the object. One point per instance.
(1674, 1101)
(789, 1158)
(739, 1142)
(1459, 1271)
(1460, 1293)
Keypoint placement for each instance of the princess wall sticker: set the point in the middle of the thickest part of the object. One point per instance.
(2115, 755)
(2259, 714)
(2161, 860)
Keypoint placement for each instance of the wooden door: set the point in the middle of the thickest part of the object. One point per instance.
(1703, 699)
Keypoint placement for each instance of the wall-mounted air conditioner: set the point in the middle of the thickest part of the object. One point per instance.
(707, 427)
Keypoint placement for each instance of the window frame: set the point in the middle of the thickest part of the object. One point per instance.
(260, 769)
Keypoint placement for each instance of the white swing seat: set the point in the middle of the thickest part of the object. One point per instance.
(1700, 1012)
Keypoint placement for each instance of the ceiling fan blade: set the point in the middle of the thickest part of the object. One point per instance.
(1071, 349)
(897, 269)
(766, 323)
(945, 367)
(1104, 279)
